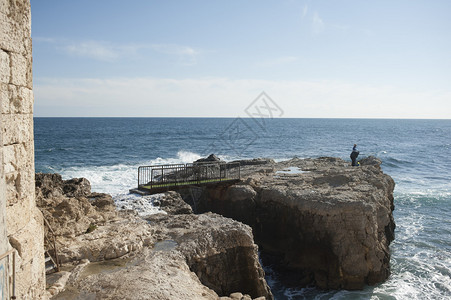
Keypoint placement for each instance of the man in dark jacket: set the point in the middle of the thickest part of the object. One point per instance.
(354, 155)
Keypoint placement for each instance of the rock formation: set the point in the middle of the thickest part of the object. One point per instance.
(177, 255)
(69, 206)
(320, 221)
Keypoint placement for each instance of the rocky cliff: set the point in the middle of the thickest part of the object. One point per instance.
(318, 221)
(177, 255)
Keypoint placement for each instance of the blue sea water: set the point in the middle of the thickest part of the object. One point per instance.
(416, 153)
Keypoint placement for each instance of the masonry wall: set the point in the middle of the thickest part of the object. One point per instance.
(24, 223)
(3, 236)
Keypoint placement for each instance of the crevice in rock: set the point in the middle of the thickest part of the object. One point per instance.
(210, 271)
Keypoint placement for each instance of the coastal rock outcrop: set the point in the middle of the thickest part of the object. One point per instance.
(318, 221)
(175, 255)
(69, 206)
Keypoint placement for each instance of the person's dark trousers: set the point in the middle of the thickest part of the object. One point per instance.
(353, 161)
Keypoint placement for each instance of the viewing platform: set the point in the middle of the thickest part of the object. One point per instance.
(163, 178)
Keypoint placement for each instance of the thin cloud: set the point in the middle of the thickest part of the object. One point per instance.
(94, 50)
(318, 24)
(107, 51)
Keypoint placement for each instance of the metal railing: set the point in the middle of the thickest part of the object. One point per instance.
(173, 176)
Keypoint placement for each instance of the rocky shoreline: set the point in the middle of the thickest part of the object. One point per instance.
(320, 221)
(177, 255)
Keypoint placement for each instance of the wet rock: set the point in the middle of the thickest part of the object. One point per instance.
(173, 204)
(77, 187)
(370, 161)
(254, 161)
(211, 158)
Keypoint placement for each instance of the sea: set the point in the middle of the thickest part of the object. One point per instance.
(416, 153)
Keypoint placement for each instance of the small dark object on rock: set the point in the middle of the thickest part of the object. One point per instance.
(210, 158)
(91, 228)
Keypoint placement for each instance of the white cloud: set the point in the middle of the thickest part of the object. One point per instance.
(317, 24)
(93, 49)
(222, 97)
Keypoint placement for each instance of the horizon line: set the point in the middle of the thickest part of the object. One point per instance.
(203, 117)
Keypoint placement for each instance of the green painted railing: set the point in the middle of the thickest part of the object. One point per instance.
(178, 175)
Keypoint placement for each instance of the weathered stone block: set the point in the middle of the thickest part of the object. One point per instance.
(18, 214)
(17, 128)
(5, 72)
(12, 182)
(15, 18)
(16, 100)
(9, 159)
(30, 278)
(28, 240)
(19, 185)
(18, 156)
(20, 70)
(4, 98)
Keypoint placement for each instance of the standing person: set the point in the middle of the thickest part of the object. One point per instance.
(354, 154)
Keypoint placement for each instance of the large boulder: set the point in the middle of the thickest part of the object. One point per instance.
(173, 204)
(69, 206)
(319, 221)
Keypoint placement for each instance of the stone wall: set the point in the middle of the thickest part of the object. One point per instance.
(3, 236)
(24, 223)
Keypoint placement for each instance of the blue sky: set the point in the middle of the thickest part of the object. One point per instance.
(355, 59)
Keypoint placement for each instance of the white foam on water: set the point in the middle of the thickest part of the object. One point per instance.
(183, 157)
(291, 171)
(143, 205)
(117, 180)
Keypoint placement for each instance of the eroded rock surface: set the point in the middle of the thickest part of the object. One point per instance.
(320, 220)
(69, 206)
(177, 255)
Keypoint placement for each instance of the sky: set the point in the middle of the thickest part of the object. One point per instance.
(314, 59)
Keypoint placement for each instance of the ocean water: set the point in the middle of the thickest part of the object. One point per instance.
(416, 153)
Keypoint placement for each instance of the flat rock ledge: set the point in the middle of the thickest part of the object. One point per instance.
(316, 221)
(110, 254)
